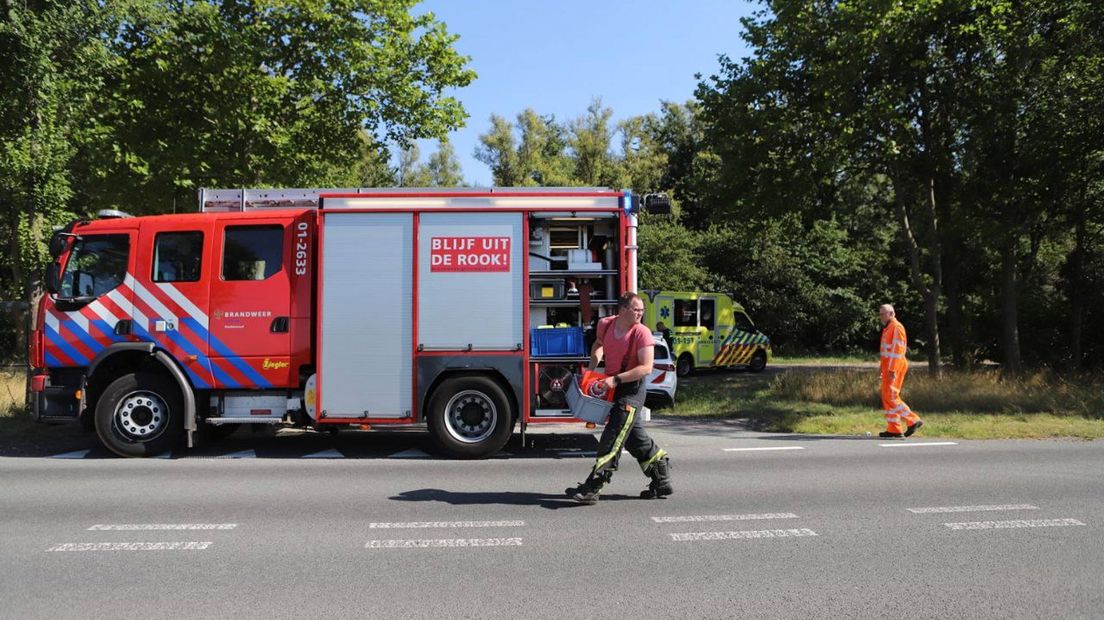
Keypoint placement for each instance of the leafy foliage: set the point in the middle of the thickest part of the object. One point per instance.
(135, 104)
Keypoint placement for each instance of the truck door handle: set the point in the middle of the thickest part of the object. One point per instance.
(279, 325)
(122, 328)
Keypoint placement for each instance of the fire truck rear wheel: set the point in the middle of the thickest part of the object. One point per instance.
(140, 414)
(470, 417)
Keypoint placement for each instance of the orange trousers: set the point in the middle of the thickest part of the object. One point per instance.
(896, 411)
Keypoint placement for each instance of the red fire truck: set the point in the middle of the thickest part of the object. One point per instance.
(462, 311)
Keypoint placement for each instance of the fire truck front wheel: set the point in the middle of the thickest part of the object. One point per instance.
(140, 414)
(470, 417)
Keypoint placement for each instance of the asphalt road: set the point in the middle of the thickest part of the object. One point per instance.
(374, 525)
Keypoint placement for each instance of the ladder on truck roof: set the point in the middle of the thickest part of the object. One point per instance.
(244, 199)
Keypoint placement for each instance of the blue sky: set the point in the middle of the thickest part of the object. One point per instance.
(556, 56)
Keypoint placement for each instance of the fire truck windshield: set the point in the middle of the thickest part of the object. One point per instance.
(96, 265)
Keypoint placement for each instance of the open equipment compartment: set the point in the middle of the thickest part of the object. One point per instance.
(575, 277)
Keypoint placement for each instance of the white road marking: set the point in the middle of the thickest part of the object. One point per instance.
(932, 509)
(413, 453)
(917, 445)
(582, 454)
(244, 454)
(444, 524)
(1001, 525)
(132, 546)
(764, 449)
(325, 454)
(741, 535)
(443, 542)
(706, 518)
(79, 454)
(134, 527)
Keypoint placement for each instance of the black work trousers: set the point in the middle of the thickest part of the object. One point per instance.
(624, 429)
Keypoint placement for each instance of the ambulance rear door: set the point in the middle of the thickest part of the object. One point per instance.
(707, 325)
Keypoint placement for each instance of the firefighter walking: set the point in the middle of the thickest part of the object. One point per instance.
(894, 366)
(627, 347)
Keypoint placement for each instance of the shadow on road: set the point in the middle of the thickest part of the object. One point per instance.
(26, 439)
(508, 498)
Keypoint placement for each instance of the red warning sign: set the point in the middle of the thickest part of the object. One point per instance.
(469, 254)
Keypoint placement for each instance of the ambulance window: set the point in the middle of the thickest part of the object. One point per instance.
(686, 313)
(97, 264)
(252, 252)
(176, 256)
(743, 323)
(706, 318)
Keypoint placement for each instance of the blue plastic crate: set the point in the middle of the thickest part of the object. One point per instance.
(556, 342)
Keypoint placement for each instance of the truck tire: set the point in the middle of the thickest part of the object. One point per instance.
(758, 361)
(470, 417)
(684, 367)
(140, 414)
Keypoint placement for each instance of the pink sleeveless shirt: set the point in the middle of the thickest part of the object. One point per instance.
(621, 353)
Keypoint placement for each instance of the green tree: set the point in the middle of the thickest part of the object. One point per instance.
(444, 168)
(52, 63)
(498, 149)
(530, 153)
(441, 170)
(670, 255)
(235, 93)
(590, 142)
(411, 172)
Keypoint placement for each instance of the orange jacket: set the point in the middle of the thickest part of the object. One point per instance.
(894, 347)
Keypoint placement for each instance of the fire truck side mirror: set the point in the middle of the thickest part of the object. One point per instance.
(658, 204)
(58, 242)
(53, 278)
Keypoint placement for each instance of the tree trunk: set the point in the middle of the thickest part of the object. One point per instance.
(1076, 294)
(931, 294)
(956, 338)
(931, 323)
(1012, 365)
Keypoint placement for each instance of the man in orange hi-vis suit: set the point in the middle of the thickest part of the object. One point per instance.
(894, 366)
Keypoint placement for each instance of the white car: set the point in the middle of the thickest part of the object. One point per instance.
(663, 380)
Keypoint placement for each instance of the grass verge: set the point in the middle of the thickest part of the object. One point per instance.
(965, 405)
(14, 419)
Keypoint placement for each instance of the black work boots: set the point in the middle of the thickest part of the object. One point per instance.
(587, 492)
(660, 486)
(912, 428)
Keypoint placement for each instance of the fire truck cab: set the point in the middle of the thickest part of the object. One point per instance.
(330, 309)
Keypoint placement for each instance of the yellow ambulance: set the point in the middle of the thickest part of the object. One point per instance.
(707, 330)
